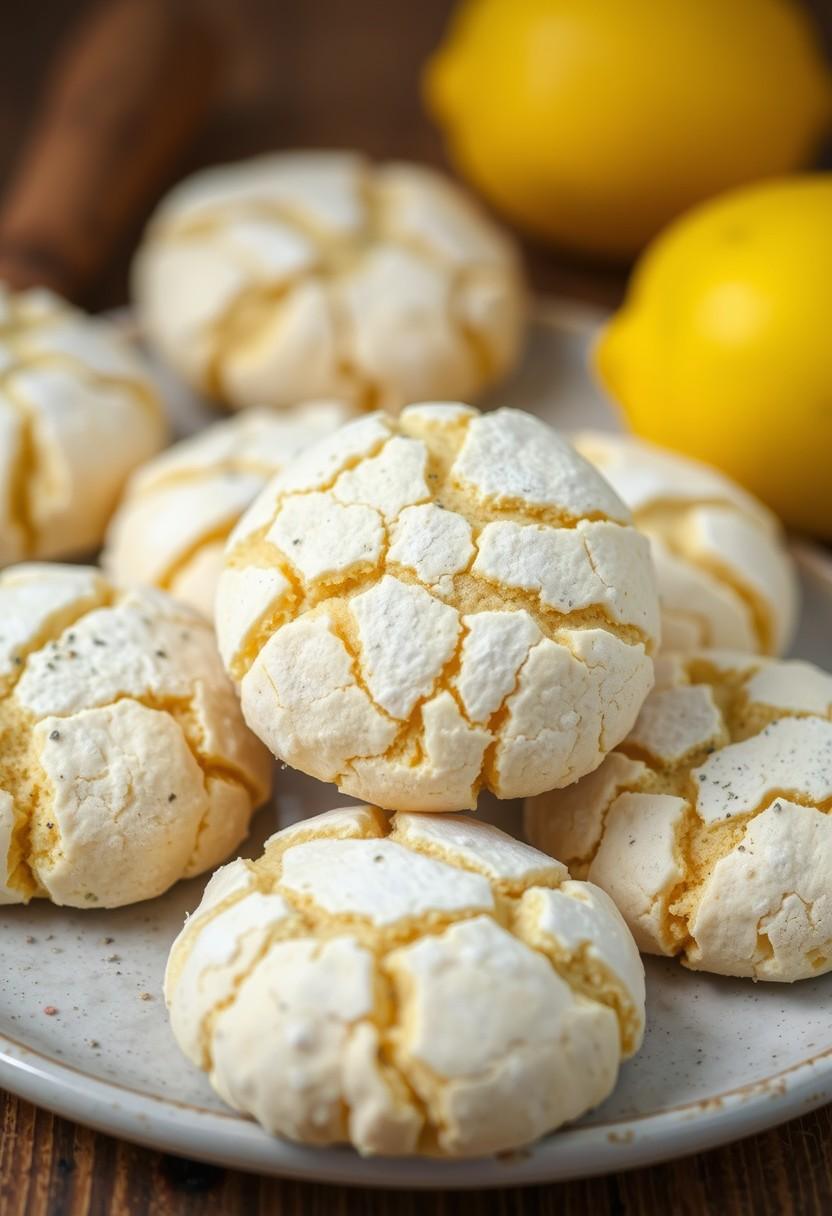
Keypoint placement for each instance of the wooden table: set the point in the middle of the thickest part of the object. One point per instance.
(320, 72)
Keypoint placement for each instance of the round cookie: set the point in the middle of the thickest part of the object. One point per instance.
(418, 607)
(124, 760)
(78, 413)
(172, 524)
(317, 274)
(710, 826)
(407, 983)
(725, 576)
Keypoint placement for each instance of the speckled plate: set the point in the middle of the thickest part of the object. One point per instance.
(83, 1028)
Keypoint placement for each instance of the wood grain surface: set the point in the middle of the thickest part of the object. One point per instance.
(329, 73)
(49, 1167)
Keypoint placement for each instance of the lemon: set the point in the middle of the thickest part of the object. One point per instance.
(723, 348)
(593, 123)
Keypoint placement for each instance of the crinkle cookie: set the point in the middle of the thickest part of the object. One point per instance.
(317, 274)
(414, 983)
(171, 527)
(418, 607)
(124, 760)
(710, 826)
(77, 414)
(725, 576)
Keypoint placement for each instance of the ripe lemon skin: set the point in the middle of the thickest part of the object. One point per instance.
(593, 123)
(723, 348)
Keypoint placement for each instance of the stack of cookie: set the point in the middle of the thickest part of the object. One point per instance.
(416, 604)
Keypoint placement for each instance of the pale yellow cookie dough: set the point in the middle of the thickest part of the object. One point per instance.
(315, 274)
(414, 983)
(172, 524)
(710, 826)
(78, 412)
(418, 607)
(726, 579)
(124, 761)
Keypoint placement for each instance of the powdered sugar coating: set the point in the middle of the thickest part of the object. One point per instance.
(407, 625)
(725, 577)
(308, 274)
(172, 524)
(711, 828)
(411, 983)
(125, 761)
(78, 412)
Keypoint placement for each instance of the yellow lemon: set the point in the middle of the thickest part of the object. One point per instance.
(593, 123)
(723, 348)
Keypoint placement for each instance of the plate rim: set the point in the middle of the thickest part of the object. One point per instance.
(223, 1137)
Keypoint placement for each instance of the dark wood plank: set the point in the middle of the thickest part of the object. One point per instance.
(50, 1167)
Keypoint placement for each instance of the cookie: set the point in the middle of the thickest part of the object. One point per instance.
(317, 274)
(172, 524)
(710, 826)
(408, 983)
(124, 761)
(78, 413)
(725, 576)
(419, 607)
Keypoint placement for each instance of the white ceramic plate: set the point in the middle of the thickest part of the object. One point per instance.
(722, 1058)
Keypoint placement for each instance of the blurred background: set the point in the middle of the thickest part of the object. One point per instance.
(593, 129)
(321, 73)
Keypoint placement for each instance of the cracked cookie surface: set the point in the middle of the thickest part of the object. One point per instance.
(315, 274)
(726, 580)
(711, 825)
(406, 983)
(178, 510)
(418, 607)
(78, 413)
(125, 764)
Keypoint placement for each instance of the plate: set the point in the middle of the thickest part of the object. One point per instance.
(83, 1028)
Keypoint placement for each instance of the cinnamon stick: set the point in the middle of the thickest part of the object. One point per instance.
(124, 98)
